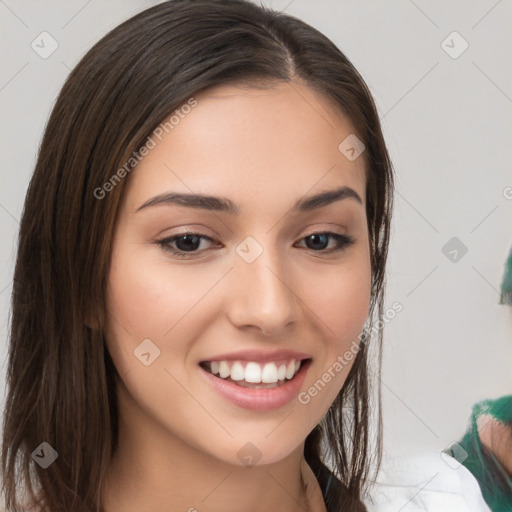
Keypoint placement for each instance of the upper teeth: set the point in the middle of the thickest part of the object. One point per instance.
(255, 372)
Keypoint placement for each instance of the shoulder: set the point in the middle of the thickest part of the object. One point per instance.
(433, 482)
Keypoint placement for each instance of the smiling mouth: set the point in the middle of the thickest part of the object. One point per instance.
(250, 374)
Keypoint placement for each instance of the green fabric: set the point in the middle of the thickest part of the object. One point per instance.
(506, 286)
(495, 483)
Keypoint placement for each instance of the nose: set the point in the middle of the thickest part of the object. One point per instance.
(263, 295)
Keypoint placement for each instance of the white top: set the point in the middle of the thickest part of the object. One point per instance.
(430, 482)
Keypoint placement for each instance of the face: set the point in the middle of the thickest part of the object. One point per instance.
(236, 320)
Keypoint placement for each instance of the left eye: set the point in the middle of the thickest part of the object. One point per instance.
(343, 241)
(188, 243)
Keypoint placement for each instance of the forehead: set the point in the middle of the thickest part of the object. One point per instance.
(268, 142)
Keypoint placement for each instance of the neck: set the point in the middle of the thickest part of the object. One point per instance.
(143, 477)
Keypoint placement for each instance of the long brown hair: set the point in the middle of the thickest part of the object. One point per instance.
(61, 379)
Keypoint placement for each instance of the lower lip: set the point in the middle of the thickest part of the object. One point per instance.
(259, 399)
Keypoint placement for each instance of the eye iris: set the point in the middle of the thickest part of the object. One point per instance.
(188, 238)
(316, 238)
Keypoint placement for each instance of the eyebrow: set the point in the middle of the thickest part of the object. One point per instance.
(222, 204)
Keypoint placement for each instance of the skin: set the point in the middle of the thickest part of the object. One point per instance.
(178, 438)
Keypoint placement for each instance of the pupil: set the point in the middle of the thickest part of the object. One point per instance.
(188, 238)
(317, 237)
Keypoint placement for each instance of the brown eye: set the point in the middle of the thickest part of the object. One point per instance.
(318, 242)
(186, 243)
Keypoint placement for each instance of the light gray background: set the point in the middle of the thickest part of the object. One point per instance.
(448, 125)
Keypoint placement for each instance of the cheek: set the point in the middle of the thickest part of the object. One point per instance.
(342, 306)
(141, 304)
(341, 300)
(148, 298)
(135, 298)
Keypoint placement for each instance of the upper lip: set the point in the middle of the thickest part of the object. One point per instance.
(259, 356)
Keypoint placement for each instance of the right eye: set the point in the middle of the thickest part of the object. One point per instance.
(187, 244)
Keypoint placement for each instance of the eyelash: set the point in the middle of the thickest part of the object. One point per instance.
(344, 242)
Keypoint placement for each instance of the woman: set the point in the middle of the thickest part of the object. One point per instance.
(201, 259)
